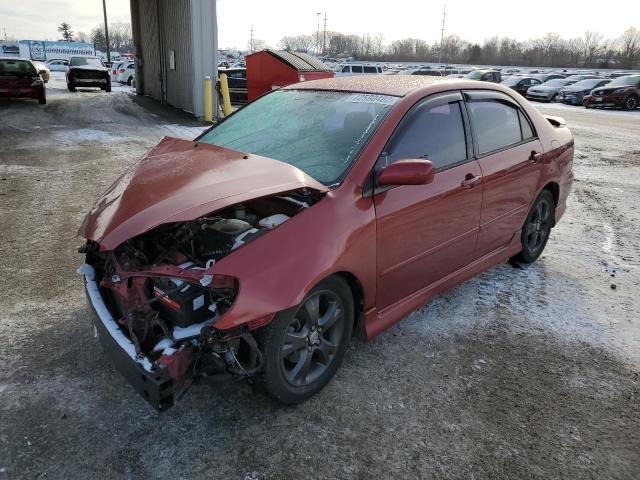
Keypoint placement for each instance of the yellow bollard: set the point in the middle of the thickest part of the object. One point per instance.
(226, 99)
(208, 100)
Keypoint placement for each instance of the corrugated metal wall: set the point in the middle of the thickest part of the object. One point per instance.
(176, 25)
(150, 48)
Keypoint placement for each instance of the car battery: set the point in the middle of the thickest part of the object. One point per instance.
(184, 306)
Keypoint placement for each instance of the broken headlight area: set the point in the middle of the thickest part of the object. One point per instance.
(160, 292)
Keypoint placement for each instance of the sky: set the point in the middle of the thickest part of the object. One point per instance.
(472, 20)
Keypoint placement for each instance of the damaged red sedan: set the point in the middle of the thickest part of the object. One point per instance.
(319, 212)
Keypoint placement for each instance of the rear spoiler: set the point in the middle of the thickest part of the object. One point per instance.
(556, 121)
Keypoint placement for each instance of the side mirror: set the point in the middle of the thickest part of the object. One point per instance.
(407, 172)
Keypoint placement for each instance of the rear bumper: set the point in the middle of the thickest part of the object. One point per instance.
(153, 384)
(22, 92)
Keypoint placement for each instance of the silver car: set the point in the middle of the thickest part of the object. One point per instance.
(547, 91)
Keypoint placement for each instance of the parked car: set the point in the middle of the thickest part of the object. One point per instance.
(20, 79)
(321, 210)
(574, 94)
(485, 75)
(58, 65)
(578, 77)
(521, 83)
(545, 77)
(87, 72)
(352, 69)
(114, 70)
(547, 91)
(623, 92)
(428, 72)
(43, 70)
(237, 81)
(126, 72)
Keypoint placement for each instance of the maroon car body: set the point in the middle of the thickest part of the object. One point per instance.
(19, 78)
(396, 235)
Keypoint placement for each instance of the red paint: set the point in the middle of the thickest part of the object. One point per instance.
(266, 72)
(402, 246)
(407, 172)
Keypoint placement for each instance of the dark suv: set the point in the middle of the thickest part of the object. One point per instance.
(623, 92)
(87, 72)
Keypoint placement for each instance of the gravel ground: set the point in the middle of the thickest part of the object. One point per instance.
(517, 373)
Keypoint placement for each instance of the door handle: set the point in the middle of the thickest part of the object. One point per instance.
(535, 156)
(470, 180)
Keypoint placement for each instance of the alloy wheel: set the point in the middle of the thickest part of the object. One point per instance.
(539, 226)
(631, 103)
(312, 338)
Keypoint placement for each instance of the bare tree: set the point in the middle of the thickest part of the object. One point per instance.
(629, 47)
(593, 46)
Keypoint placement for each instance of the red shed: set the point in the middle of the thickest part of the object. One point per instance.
(271, 69)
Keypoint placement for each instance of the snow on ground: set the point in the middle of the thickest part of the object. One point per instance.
(516, 373)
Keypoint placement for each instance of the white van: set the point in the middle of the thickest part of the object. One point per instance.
(346, 70)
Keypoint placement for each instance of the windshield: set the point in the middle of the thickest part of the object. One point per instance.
(319, 132)
(558, 82)
(80, 61)
(587, 83)
(17, 67)
(511, 81)
(635, 80)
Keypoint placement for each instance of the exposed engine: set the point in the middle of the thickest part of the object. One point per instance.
(161, 290)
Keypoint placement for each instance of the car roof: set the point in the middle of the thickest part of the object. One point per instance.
(396, 85)
(15, 58)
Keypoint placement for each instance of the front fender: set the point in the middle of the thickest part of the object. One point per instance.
(277, 270)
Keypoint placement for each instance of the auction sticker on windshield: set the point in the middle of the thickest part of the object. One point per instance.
(372, 98)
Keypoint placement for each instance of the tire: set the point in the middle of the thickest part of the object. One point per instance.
(107, 88)
(300, 352)
(129, 80)
(42, 100)
(71, 87)
(536, 228)
(631, 103)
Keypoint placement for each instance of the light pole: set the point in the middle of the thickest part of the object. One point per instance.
(318, 34)
(106, 29)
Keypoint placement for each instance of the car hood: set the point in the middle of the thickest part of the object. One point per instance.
(542, 88)
(180, 180)
(90, 68)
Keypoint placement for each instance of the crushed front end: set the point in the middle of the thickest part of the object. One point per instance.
(156, 298)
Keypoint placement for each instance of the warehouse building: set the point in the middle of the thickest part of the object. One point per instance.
(176, 45)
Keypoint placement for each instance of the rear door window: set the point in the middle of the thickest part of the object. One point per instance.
(370, 70)
(496, 121)
(356, 68)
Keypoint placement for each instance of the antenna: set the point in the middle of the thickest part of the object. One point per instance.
(444, 15)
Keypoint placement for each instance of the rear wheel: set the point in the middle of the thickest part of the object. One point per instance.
(303, 347)
(129, 80)
(537, 228)
(107, 88)
(42, 100)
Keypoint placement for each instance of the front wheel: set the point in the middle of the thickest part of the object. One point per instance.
(303, 347)
(537, 228)
(71, 87)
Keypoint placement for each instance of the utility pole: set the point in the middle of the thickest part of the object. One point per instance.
(5, 34)
(106, 29)
(251, 40)
(318, 33)
(444, 14)
(324, 34)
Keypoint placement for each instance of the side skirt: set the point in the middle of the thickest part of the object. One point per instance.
(378, 321)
